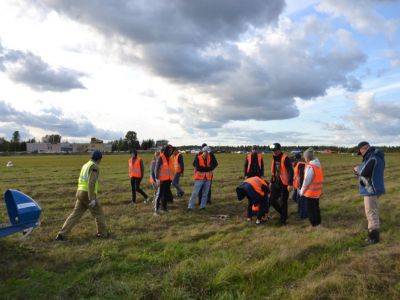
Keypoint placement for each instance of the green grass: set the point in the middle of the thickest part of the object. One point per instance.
(193, 255)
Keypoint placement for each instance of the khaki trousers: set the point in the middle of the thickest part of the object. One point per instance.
(81, 205)
(372, 212)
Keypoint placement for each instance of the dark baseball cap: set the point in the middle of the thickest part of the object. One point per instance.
(275, 146)
(360, 145)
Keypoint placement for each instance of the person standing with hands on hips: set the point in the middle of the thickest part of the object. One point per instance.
(86, 198)
(371, 185)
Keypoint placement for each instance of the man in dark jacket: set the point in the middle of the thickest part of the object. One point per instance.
(281, 181)
(253, 164)
(371, 185)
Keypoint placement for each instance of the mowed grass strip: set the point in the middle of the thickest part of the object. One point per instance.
(196, 255)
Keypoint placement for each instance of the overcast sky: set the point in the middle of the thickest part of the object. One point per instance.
(192, 71)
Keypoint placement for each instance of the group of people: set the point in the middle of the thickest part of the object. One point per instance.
(302, 176)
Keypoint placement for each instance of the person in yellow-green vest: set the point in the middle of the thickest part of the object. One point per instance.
(86, 198)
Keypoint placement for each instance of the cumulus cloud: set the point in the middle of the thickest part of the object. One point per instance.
(335, 127)
(243, 61)
(52, 120)
(31, 70)
(361, 15)
(376, 119)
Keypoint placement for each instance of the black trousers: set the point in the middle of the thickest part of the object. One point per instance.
(164, 195)
(279, 190)
(314, 214)
(135, 185)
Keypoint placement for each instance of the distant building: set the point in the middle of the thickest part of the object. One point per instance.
(68, 147)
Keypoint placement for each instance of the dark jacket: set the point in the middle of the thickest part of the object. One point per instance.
(255, 169)
(246, 190)
(213, 165)
(199, 168)
(181, 163)
(371, 173)
(289, 167)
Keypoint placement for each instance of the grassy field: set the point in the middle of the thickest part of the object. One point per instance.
(194, 255)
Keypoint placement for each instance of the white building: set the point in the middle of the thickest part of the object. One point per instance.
(67, 147)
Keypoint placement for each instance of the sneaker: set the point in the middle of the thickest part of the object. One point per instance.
(164, 211)
(258, 222)
(146, 200)
(59, 237)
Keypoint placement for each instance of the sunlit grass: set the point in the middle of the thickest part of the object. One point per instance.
(196, 255)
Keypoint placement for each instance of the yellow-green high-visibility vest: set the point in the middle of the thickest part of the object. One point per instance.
(83, 181)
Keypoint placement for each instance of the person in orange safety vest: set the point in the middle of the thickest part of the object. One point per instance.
(281, 181)
(203, 167)
(253, 164)
(179, 168)
(312, 186)
(164, 171)
(136, 173)
(257, 191)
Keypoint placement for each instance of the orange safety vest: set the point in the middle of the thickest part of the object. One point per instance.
(203, 175)
(257, 183)
(177, 166)
(284, 174)
(166, 169)
(134, 168)
(259, 158)
(314, 189)
(296, 179)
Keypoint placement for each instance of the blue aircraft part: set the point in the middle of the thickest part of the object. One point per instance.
(23, 212)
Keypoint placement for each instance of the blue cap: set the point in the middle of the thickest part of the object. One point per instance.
(96, 155)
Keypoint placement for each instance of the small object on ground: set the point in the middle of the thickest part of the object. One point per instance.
(220, 217)
(10, 164)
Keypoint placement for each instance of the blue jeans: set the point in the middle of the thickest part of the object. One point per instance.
(175, 183)
(200, 184)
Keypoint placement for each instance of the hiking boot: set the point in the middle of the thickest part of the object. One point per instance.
(103, 236)
(59, 237)
(373, 237)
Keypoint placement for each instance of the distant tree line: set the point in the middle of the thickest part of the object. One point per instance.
(130, 141)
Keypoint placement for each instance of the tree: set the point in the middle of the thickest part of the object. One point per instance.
(16, 137)
(147, 144)
(131, 138)
(94, 140)
(51, 139)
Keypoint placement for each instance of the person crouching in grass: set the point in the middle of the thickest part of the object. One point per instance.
(256, 190)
